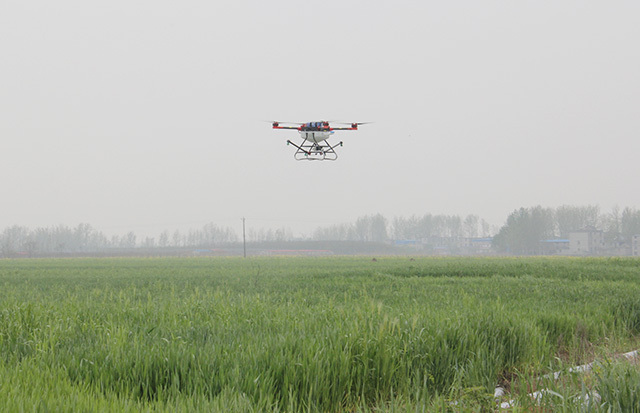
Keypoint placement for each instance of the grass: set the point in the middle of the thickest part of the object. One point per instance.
(304, 334)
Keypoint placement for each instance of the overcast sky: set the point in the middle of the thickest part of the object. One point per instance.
(148, 115)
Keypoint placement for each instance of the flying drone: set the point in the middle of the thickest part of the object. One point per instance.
(314, 146)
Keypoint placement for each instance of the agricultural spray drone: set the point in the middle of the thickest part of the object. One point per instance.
(314, 146)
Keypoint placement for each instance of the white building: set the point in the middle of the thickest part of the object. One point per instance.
(635, 245)
(589, 241)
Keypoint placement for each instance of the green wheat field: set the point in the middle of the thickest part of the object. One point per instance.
(316, 334)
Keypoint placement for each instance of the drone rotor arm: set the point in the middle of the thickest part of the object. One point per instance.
(351, 126)
(286, 127)
(356, 128)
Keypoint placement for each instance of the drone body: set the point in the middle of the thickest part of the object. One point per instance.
(314, 146)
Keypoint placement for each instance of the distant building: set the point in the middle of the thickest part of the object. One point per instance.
(296, 252)
(556, 246)
(635, 245)
(447, 245)
(204, 252)
(480, 245)
(403, 242)
(588, 241)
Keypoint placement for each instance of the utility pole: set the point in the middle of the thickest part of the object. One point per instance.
(244, 239)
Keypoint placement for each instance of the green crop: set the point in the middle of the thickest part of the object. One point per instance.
(300, 334)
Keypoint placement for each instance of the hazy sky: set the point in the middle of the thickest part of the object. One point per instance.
(147, 115)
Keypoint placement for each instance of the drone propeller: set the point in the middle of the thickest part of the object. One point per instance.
(284, 123)
(352, 123)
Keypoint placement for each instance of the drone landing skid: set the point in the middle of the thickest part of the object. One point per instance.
(311, 151)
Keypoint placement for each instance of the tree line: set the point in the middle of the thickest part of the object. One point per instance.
(522, 232)
(525, 228)
(19, 240)
(377, 228)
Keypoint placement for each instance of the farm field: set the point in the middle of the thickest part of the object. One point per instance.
(313, 334)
